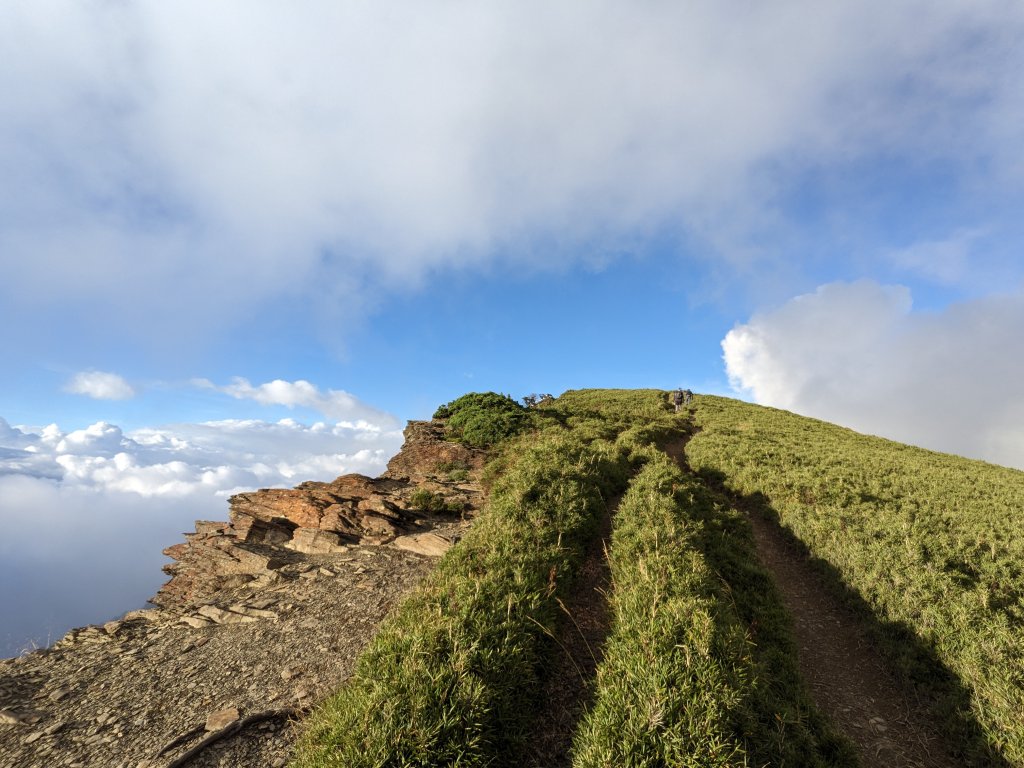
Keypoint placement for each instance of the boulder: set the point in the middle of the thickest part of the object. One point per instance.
(312, 541)
(222, 718)
(429, 544)
(378, 526)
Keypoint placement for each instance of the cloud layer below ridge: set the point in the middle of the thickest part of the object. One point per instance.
(72, 498)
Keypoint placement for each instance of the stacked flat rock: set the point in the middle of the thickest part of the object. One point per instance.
(269, 527)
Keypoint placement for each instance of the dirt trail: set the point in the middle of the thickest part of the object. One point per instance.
(848, 678)
(586, 622)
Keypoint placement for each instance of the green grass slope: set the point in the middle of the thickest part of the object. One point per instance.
(451, 679)
(930, 545)
(685, 680)
(699, 668)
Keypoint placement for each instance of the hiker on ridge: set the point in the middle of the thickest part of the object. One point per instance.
(677, 399)
(687, 396)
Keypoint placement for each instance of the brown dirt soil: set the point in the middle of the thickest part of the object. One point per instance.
(100, 700)
(847, 676)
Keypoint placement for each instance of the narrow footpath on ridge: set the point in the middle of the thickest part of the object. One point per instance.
(585, 624)
(848, 678)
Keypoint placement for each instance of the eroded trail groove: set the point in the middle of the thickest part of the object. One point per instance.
(586, 622)
(848, 679)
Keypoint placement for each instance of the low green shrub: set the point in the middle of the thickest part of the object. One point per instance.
(483, 419)
(437, 503)
(454, 471)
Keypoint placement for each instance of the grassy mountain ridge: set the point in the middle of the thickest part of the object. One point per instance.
(699, 669)
(929, 542)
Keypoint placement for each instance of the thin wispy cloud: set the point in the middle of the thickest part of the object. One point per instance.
(946, 261)
(333, 404)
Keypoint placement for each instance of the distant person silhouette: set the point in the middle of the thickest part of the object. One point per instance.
(687, 397)
(677, 399)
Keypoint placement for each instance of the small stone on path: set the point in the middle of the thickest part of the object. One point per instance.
(7, 717)
(222, 718)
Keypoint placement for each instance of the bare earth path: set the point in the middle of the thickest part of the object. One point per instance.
(848, 679)
(568, 689)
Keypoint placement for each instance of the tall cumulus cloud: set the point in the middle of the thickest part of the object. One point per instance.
(858, 354)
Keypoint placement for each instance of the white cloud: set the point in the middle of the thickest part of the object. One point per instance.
(212, 457)
(856, 354)
(73, 555)
(171, 166)
(100, 386)
(97, 439)
(334, 403)
(945, 261)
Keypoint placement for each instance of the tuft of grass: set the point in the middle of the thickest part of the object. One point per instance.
(455, 471)
(927, 544)
(685, 680)
(429, 501)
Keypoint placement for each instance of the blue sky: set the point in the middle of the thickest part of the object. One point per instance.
(240, 245)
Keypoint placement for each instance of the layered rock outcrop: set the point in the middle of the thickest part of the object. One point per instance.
(426, 450)
(267, 526)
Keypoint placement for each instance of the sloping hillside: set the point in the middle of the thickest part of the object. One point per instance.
(728, 585)
(927, 545)
(698, 665)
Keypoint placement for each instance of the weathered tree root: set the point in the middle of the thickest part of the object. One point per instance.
(223, 733)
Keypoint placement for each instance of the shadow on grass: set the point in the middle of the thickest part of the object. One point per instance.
(779, 722)
(573, 651)
(914, 661)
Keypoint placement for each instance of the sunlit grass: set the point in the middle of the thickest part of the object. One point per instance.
(451, 679)
(685, 681)
(700, 666)
(929, 541)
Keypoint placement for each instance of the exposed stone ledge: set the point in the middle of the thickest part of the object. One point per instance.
(267, 528)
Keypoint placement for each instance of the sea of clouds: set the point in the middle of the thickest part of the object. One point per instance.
(86, 512)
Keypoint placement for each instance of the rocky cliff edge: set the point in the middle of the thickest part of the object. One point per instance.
(263, 615)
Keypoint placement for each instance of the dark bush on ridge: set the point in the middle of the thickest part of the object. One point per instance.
(483, 418)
